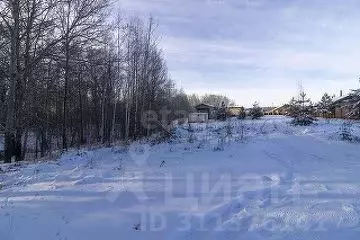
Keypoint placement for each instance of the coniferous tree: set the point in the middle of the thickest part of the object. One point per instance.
(302, 110)
(292, 107)
(221, 112)
(325, 105)
(256, 112)
(354, 104)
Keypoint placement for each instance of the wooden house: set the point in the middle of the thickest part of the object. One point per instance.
(205, 108)
(282, 110)
(341, 107)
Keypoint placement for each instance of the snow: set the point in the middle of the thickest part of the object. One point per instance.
(241, 179)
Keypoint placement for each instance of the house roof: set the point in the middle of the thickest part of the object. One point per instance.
(235, 107)
(204, 105)
(340, 99)
(279, 108)
(266, 109)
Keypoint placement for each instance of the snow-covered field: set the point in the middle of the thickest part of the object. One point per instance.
(262, 179)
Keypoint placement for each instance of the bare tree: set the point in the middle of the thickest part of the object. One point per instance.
(67, 79)
(79, 21)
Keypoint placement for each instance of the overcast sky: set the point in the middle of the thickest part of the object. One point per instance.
(258, 50)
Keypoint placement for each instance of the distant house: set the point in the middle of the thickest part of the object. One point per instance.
(267, 110)
(234, 111)
(283, 110)
(206, 108)
(341, 107)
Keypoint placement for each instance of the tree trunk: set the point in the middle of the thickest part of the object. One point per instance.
(10, 128)
(66, 82)
(82, 140)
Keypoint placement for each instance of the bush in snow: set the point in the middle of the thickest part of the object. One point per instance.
(225, 134)
(220, 144)
(191, 138)
(162, 137)
(303, 120)
(121, 149)
(137, 227)
(264, 128)
(347, 133)
(90, 163)
(228, 129)
(242, 115)
(241, 131)
(256, 111)
(190, 128)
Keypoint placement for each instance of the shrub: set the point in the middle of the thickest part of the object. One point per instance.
(303, 120)
(346, 131)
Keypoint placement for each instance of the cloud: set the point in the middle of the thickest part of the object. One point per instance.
(251, 49)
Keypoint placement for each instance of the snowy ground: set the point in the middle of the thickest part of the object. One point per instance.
(259, 179)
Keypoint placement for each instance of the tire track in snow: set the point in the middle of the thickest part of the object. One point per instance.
(235, 217)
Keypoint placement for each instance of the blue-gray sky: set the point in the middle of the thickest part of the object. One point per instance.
(258, 50)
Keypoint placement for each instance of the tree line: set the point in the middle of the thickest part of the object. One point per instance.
(215, 100)
(304, 111)
(72, 74)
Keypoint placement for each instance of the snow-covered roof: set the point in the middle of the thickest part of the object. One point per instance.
(342, 98)
(277, 108)
(235, 107)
